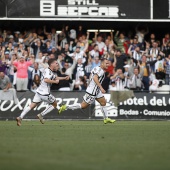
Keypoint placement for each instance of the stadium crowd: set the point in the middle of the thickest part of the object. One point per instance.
(135, 62)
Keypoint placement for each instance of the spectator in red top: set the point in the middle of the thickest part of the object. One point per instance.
(111, 67)
(22, 72)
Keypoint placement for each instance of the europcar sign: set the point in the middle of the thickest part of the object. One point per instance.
(78, 8)
(75, 9)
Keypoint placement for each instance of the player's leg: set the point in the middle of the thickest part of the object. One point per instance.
(52, 105)
(24, 112)
(36, 100)
(102, 102)
(82, 105)
(88, 99)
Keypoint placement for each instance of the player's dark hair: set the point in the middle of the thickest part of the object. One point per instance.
(63, 70)
(51, 60)
(103, 59)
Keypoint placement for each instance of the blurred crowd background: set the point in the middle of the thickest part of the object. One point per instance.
(139, 59)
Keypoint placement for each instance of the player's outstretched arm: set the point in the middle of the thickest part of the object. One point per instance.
(56, 81)
(63, 78)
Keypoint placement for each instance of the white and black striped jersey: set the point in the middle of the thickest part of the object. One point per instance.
(44, 88)
(92, 88)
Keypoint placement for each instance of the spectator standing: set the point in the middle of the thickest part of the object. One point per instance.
(101, 44)
(121, 60)
(34, 71)
(8, 93)
(167, 66)
(135, 81)
(95, 52)
(38, 46)
(118, 78)
(22, 72)
(35, 83)
(79, 69)
(64, 85)
(120, 41)
(145, 70)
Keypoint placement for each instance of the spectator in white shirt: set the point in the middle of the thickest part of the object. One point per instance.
(78, 54)
(95, 52)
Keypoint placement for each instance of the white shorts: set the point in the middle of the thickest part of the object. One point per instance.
(39, 98)
(88, 98)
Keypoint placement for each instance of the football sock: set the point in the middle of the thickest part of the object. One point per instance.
(24, 112)
(104, 111)
(47, 110)
(74, 106)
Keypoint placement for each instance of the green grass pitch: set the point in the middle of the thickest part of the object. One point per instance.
(85, 145)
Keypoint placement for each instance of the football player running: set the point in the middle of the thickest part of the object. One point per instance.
(43, 92)
(94, 92)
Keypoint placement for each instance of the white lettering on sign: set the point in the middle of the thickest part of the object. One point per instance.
(82, 2)
(47, 7)
(156, 113)
(79, 8)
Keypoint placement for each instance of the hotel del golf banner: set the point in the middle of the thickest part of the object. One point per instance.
(142, 106)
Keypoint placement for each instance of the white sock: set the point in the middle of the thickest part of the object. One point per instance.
(47, 110)
(24, 112)
(104, 111)
(74, 106)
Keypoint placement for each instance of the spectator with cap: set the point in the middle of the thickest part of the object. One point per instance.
(22, 72)
(69, 67)
(11, 39)
(6, 60)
